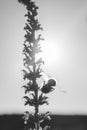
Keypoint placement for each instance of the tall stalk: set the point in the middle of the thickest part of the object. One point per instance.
(35, 93)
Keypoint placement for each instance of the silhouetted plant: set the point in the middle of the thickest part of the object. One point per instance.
(35, 93)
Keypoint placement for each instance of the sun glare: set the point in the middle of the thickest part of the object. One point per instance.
(49, 53)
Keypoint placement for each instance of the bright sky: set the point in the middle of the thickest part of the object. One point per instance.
(65, 32)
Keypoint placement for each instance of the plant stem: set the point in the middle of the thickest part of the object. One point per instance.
(37, 125)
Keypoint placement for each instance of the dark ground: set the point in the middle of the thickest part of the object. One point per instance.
(58, 122)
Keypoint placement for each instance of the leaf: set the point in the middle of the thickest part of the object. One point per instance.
(46, 127)
(28, 27)
(29, 118)
(27, 89)
(25, 72)
(24, 2)
(30, 36)
(38, 27)
(46, 116)
(30, 87)
(29, 68)
(28, 61)
(38, 38)
(27, 49)
(31, 5)
(34, 12)
(28, 3)
(40, 61)
(29, 76)
(29, 101)
(42, 100)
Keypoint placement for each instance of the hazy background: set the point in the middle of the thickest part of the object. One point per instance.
(65, 27)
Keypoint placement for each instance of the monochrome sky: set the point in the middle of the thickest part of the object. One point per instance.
(65, 33)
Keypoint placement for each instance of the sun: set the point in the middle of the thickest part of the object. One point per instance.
(49, 53)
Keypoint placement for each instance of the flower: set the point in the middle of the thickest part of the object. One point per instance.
(49, 86)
